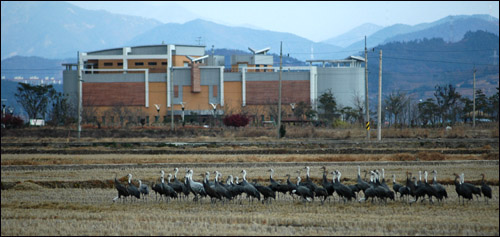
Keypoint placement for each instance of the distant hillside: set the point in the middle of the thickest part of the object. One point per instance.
(418, 66)
(59, 29)
(222, 36)
(451, 28)
(353, 35)
(449, 31)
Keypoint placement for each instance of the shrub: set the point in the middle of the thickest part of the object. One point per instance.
(235, 120)
(337, 123)
(282, 130)
(11, 121)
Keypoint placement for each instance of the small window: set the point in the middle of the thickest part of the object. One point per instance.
(186, 64)
(120, 64)
(156, 118)
(103, 120)
(147, 120)
(139, 63)
(108, 64)
(152, 63)
(164, 63)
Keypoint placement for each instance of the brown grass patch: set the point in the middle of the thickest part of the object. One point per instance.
(428, 156)
(401, 157)
(490, 156)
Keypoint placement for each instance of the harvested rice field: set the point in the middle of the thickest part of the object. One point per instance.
(54, 194)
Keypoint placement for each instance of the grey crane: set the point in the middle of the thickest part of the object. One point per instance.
(342, 190)
(475, 190)
(196, 187)
(291, 186)
(440, 190)
(210, 190)
(361, 184)
(275, 186)
(382, 191)
(248, 188)
(467, 190)
(235, 190)
(327, 185)
(178, 186)
(395, 186)
(171, 191)
(143, 189)
(485, 189)
(158, 189)
(303, 191)
(165, 188)
(219, 188)
(308, 182)
(383, 183)
(462, 190)
(122, 190)
(132, 189)
(370, 191)
(266, 192)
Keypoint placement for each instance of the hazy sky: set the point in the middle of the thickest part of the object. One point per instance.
(316, 21)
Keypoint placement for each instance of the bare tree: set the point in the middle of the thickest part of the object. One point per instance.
(359, 107)
(89, 110)
(395, 104)
(119, 113)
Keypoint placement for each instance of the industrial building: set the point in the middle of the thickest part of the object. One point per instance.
(143, 82)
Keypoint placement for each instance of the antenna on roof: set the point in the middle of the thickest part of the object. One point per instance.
(261, 51)
(193, 60)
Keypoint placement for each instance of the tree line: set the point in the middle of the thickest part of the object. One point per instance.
(399, 109)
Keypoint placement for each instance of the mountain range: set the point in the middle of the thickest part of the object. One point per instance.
(59, 30)
(37, 37)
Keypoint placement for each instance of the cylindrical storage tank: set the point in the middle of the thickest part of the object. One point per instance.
(345, 83)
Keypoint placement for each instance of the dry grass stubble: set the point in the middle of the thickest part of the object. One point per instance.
(91, 212)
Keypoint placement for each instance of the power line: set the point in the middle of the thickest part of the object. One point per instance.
(32, 69)
(436, 61)
(441, 51)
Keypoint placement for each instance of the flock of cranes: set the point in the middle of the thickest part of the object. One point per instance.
(374, 188)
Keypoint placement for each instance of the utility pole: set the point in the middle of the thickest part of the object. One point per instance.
(474, 99)
(80, 105)
(172, 98)
(366, 92)
(379, 121)
(279, 94)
